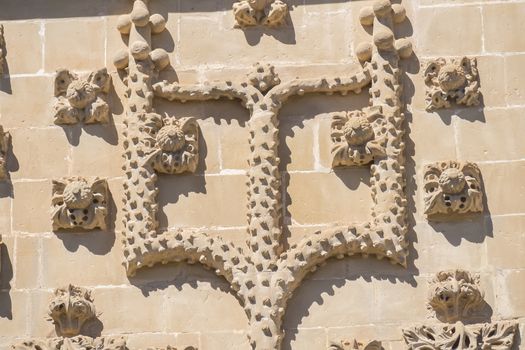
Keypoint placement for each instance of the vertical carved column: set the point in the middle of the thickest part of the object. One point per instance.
(140, 206)
(387, 179)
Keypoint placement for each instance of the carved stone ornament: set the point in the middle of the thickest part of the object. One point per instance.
(5, 139)
(265, 275)
(79, 203)
(355, 345)
(271, 13)
(2, 50)
(81, 99)
(83, 343)
(452, 188)
(452, 80)
(70, 308)
(177, 143)
(358, 137)
(454, 296)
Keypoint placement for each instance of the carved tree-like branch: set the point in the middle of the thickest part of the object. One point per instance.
(265, 277)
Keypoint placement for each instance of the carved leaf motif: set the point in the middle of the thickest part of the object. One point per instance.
(498, 336)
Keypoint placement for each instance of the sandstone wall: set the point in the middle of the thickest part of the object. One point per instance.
(181, 304)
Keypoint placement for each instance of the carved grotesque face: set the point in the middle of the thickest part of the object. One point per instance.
(358, 131)
(451, 77)
(454, 294)
(70, 308)
(171, 138)
(80, 93)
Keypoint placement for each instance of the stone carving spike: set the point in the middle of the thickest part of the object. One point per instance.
(80, 203)
(70, 308)
(2, 50)
(81, 99)
(271, 13)
(452, 188)
(452, 80)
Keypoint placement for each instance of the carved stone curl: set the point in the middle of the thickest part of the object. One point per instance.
(81, 98)
(177, 143)
(4, 146)
(358, 137)
(355, 345)
(452, 80)
(454, 296)
(271, 13)
(70, 308)
(79, 203)
(452, 187)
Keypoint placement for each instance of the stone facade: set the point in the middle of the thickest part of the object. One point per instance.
(349, 171)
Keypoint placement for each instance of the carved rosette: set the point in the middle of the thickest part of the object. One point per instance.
(452, 188)
(79, 203)
(357, 137)
(5, 139)
(81, 99)
(454, 296)
(355, 345)
(177, 143)
(70, 308)
(271, 13)
(452, 80)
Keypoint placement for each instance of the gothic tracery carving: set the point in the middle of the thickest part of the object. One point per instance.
(70, 308)
(79, 203)
(454, 296)
(452, 80)
(271, 13)
(81, 99)
(452, 188)
(83, 343)
(265, 276)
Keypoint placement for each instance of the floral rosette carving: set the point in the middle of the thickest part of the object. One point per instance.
(79, 203)
(70, 308)
(177, 146)
(452, 187)
(81, 99)
(454, 295)
(355, 345)
(357, 137)
(271, 13)
(452, 80)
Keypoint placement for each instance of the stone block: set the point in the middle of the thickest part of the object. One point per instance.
(24, 43)
(31, 198)
(503, 35)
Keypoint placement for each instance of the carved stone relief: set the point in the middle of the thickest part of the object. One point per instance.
(2, 50)
(271, 13)
(265, 276)
(81, 99)
(79, 203)
(358, 137)
(452, 80)
(70, 308)
(177, 143)
(452, 188)
(355, 345)
(5, 139)
(454, 296)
